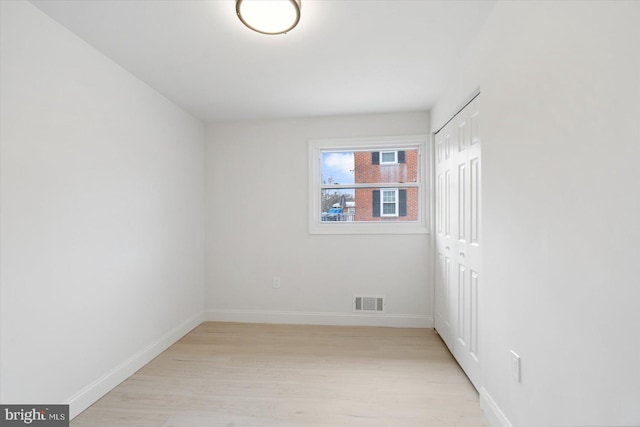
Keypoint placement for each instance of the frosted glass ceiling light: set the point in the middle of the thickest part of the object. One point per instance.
(269, 16)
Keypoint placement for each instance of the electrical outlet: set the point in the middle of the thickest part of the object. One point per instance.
(276, 282)
(515, 366)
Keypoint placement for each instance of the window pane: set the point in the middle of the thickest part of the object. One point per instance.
(369, 204)
(338, 204)
(389, 209)
(337, 168)
(368, 166)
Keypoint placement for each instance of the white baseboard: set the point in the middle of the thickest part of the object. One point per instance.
(94, 391)
(319, 318)
(492, 411)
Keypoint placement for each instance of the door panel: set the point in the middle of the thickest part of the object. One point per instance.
(445, 296)
(458, 238)
(474, 196)
(462, 302)
(473, 314)
(462, 202)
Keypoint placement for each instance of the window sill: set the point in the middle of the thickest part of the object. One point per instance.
(368, 228)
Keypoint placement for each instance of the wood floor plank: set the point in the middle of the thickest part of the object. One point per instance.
(256, 375)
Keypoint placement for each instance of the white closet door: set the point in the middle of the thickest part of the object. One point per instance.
(458, 239)
(445, 200)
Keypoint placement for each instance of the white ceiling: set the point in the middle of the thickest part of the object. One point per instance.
(345, 56)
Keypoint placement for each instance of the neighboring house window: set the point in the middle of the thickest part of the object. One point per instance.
(388, 157)
(371, 185)
(391, 202)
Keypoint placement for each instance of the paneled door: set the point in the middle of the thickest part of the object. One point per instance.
(458, 237)
(444, 290)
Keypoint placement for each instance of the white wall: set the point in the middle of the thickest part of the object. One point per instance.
(560, 131)
(102, 244)
(257, 208)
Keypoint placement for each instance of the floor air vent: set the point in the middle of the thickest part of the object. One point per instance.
(368, 304)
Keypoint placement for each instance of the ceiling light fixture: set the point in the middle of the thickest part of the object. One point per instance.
(269, 16)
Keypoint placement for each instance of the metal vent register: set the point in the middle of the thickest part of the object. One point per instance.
(369, 304)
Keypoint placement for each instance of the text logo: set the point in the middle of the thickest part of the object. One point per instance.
(34, 415)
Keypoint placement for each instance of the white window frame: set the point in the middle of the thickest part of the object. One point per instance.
(395, 157)
(395, 202)
(391, 143)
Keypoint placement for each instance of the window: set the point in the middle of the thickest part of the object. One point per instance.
(388, 157)
(369, 185)
(391, 202)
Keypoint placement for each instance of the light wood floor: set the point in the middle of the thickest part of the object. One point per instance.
(230, 374)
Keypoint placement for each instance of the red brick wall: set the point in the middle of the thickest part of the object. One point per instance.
(402, 172)
(364, 206)
(365, 172)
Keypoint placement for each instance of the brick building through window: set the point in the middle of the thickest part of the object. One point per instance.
(390, 202)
